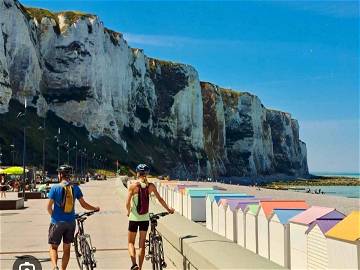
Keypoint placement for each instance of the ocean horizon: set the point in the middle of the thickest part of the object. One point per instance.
(345, 174)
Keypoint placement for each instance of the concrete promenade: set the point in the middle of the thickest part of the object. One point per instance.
(24, 232)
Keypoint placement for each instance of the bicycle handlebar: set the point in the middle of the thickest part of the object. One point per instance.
(158, 215)
(86, 214)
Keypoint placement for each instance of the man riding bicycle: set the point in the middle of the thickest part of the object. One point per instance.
(137, 205)
(61, 207)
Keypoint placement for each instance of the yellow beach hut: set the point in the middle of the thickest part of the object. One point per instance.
(343, 243)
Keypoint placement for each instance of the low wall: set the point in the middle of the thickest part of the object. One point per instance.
(11, 204)
(189, 245)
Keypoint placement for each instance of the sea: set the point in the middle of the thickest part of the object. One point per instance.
(343, 191)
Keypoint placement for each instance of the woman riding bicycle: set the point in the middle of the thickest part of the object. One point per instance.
(137, 205)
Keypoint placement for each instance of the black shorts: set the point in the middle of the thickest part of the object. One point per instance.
(61, 231)
(141, 225)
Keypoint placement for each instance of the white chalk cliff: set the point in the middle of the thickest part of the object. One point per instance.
(70, 64)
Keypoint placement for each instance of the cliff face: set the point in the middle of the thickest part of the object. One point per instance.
(243, 138)
(156, 111)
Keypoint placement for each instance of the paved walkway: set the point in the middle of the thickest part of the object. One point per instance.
(25, 231)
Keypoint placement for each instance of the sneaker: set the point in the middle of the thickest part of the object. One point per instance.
(134, 267)
(56, 268)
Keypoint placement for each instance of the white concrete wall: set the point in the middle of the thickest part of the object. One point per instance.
(343, 255)
(298, 250)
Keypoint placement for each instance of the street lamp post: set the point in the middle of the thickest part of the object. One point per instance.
(57, 137)
(43, 128)
(23, 114)
(76, 156)
(12, 146)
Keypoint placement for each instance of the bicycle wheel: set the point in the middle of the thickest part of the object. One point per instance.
(87, 256)
(158, 251)
(154, 258)
(77, 247)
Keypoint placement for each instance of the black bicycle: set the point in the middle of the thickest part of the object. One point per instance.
(155, 244)
(85, 252)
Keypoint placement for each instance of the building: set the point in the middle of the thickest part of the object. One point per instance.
(279, 235)
(298, 238)
(265, 210)
(317, 252)
(343, 243)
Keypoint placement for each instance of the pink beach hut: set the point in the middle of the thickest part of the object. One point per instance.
(298, 238)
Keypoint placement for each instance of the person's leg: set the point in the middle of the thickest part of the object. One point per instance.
(142, 239)
(131, 246)
(54, 255)
(66, 256)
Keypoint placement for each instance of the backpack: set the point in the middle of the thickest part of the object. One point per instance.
(143, 200)
(67, 199)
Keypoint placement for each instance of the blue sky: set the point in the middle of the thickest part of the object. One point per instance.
(297, 56)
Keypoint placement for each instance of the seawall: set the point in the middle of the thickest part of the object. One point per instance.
(188, 245)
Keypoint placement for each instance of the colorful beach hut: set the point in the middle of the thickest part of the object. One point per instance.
(196, 204)
(298, 238)
(343, 243)
(185, 197)
(317, 253)
(215, 208)
(178, 197)
(241, 222)
(251, 242)
(279, 235)
(209, 205)
(224, 204)
(233, 222)
(264, 213)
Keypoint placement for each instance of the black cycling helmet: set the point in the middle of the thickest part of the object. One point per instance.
(143, 168)
(65, 169)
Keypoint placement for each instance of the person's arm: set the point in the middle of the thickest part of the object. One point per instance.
(87, 206)
(128, 199)
(153, 189)
(83, 203)
(50, 206)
